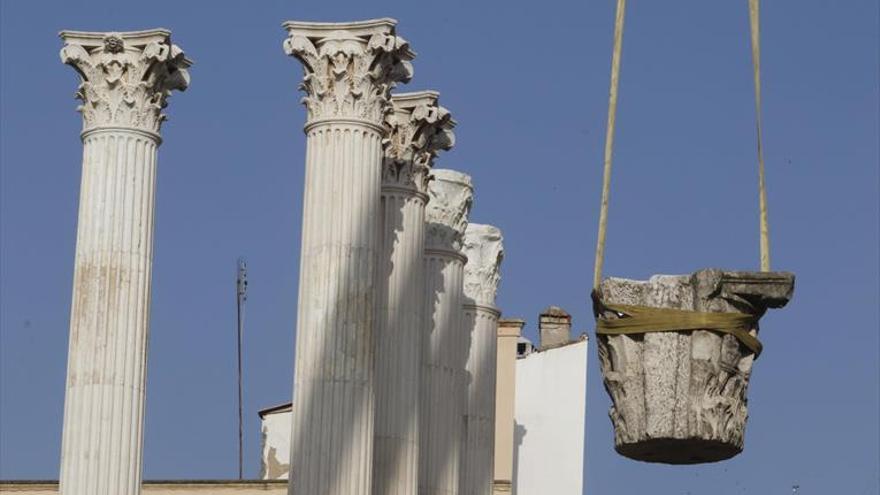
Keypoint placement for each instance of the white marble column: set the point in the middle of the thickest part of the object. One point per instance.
(420, 128)
(350, 69)
(484, 250)
(125, 81)
(446, 346)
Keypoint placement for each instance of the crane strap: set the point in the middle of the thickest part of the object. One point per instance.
(754, 24)
(609, 141)
(755, 27)
(635, 320)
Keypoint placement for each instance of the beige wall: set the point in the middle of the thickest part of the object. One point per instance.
(508, 333)
(248, 487)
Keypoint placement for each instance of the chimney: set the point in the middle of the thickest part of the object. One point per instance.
(554, 327)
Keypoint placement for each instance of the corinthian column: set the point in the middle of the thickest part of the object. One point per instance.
(484, 250)
(442, 407)
(349, 71)
(125, 81)
(420, 128)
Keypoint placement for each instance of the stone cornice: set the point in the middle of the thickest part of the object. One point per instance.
(484, 248)
(126, 78)
(419, 128)
(446, 215)
(349, 68)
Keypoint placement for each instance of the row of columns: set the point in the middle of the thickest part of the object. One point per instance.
(394, 383)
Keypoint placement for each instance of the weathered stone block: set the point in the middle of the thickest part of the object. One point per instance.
(680, 397)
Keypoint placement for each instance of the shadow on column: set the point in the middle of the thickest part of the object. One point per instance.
(359, 299)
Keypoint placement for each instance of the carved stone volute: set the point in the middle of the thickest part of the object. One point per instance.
(126, 78)
(350, 68)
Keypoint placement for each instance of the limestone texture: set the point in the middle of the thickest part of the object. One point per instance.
(483, 246)
(125, 80)
(681, 397)
(420, 129)
(445, 347)
(350, 69)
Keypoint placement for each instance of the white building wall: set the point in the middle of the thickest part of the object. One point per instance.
(275, 455)
(549, 418)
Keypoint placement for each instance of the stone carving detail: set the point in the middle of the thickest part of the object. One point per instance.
(126, 78)
(680, 397)
(484, 248)
(349, 73)
(451, 196)
(419, 129)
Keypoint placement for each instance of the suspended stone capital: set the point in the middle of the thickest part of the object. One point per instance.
(126, 78)
(484, 248)
(680, 397)
(419, 128)
(451, 196)
(350, 68)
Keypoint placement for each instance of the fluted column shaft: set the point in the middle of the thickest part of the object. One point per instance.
(399, 343)
(444, 375)
(483, 248)
(419, 129)
(444, 379)
(126, 78)
(102, 440)
(478, 464)
(350, 69)
(333, 390)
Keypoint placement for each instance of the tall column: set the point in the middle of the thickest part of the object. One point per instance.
(441, 412)
(420, 128)
(484, 250)
(125, 81)
(350, 69)
(509, 331)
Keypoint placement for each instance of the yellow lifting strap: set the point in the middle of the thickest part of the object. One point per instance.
(754, 22)
(636, 320)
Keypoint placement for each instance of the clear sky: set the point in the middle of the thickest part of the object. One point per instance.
(527, 82)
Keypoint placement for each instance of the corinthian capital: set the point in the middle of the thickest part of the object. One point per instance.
(419, 129)
(484, 248)
(451, 196)
(126, 77)
(349, 67)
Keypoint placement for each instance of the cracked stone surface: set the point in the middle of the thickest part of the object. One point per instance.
(680, 397)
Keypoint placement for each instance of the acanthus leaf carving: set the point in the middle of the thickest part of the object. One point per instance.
(347, 73)
(126, 78)
(451, 197)
(484, 248)
(419, 128)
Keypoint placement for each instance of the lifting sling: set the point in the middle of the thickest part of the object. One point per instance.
(640, 319)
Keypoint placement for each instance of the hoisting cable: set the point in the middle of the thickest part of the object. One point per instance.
(755, 25)
(618, 319)
(609, 142)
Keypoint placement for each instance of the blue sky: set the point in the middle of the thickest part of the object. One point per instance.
(527, 82)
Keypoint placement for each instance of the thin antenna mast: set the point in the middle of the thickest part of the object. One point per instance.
(240, 298)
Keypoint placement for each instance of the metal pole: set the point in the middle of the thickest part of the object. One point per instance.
(240, 298)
